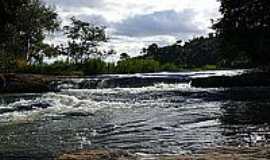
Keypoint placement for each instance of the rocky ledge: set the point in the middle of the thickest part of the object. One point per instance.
(97, 155)
(24, 83)
(230, 153)
(253, 79)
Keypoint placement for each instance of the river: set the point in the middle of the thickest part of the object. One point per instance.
(161, 114)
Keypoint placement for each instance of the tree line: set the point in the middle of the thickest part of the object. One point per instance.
(195, 53)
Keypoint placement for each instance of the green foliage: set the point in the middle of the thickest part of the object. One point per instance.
(94, 66)
(202, 51)
(98, 66)
(206, 67)
(57, 68)
(152, 49)
(245, 30)
(137, 66)
(197, 52)
(124, 56)
(170, 67)
(90, 67)
(23, 24)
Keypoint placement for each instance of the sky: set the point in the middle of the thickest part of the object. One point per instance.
(134, 24)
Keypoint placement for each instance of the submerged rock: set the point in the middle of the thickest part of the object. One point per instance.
(78, 114)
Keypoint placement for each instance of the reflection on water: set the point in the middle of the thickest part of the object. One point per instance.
(247, 122)
(162, 118)
(250, 112)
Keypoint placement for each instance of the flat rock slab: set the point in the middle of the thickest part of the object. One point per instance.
(255, 153)
(97, 155)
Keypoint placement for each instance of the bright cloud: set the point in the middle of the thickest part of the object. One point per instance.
(135, 24)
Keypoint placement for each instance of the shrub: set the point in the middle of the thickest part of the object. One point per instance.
(94, 66)
(137, 66)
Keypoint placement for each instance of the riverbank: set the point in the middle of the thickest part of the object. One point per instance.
(230, 153)
(24, 83)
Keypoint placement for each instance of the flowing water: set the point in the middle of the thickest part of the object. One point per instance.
(160, 114)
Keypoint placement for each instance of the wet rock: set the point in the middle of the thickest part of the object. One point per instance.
(59, 84)
(24, 83)
(90, 84)
(236, 153)
(78, 114)
(23, 107)
(29, 107)
(228, 153)
(245, 80)
(6, 110)
(97, 155)
(129, 82)
(41, 105)
(160, 128)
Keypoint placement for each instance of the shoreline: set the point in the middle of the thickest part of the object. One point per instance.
(222, 153)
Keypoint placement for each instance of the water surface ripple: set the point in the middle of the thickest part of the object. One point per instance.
(156, 119)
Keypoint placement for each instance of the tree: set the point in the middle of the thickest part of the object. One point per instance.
(23, 25)
(124, 56)
(245, 29)
(201, 51)
(83, 39)
(152, 49)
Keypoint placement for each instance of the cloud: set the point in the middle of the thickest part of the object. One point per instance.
(75, 3)
(94, 19)
(135, 24)
(167, 22)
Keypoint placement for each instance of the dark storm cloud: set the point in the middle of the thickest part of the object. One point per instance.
(167, 22)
